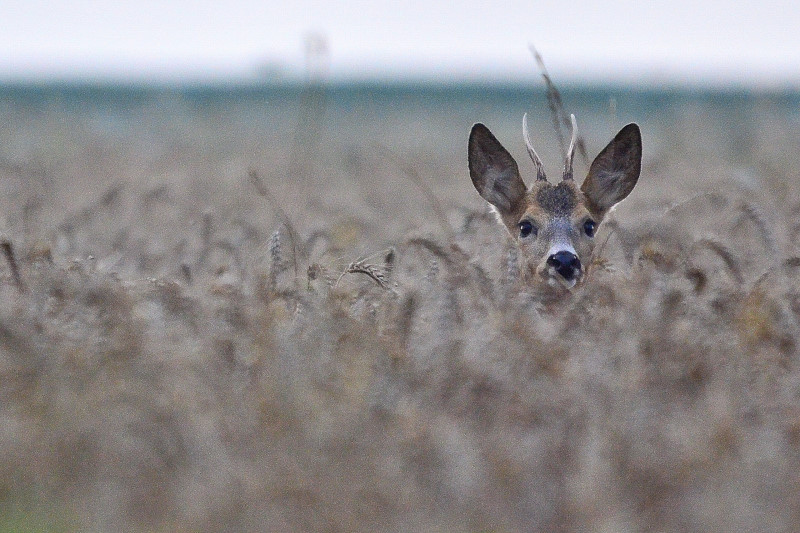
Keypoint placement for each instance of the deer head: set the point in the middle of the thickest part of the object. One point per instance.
(554, 224)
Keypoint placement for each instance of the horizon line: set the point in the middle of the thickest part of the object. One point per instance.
(299, 81)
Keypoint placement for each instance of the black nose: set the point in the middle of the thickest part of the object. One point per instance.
(565, 263)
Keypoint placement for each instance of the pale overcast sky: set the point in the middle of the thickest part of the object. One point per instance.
(682, 41)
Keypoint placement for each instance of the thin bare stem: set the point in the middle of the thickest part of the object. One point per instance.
(412, 174)
(262, 190)
(553, 99)
(722, 252)
(8, 251)
(557, 111)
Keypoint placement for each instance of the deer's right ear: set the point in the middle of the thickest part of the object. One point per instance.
(494, 172)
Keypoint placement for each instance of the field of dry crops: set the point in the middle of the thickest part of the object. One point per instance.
(290, 311)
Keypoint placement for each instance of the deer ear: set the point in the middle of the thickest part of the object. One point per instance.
(615, 171)
(494, 172)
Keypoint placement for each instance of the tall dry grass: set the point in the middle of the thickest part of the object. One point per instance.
(180, 352)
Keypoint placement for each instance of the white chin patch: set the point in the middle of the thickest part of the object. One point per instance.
(554, 279)
(569, 284)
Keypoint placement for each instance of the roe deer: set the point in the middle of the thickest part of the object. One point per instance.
(554, 225)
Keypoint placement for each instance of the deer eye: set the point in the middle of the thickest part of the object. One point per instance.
(589, 226)
(526, 228)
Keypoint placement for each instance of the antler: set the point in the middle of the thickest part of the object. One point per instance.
(571, 149)
(540, 176)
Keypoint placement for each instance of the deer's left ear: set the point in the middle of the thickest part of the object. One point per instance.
(493, 170)
(615, 171)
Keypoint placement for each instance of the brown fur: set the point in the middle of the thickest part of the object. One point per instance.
(557, 200)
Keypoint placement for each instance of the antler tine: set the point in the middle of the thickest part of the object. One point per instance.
(571, 150)
(540, 176)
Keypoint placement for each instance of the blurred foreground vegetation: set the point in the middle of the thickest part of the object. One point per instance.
(278, 311)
